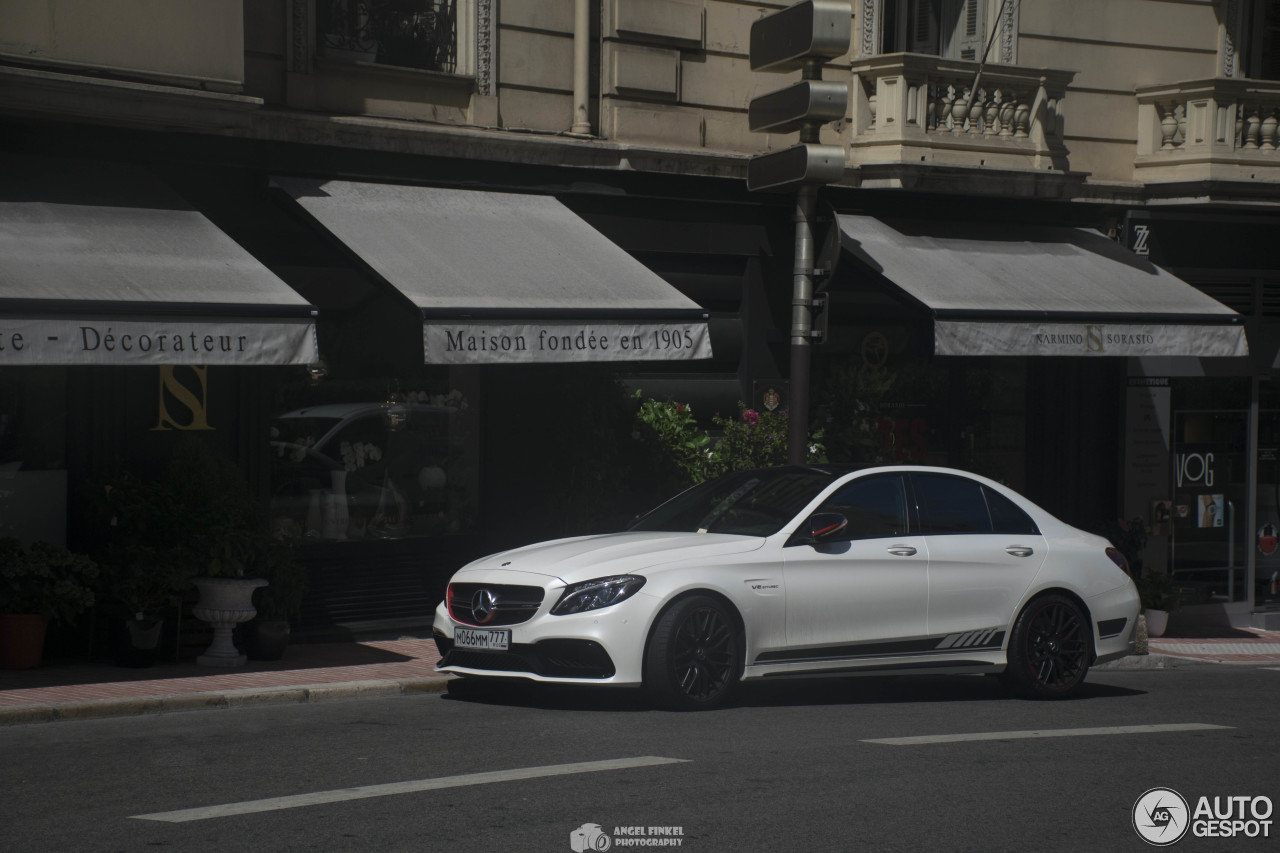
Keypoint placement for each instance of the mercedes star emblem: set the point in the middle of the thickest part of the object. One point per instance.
(483, 604)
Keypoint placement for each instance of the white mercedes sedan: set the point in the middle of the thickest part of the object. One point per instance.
(800, 571)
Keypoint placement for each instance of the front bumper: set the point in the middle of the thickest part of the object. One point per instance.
(603, 646)
(549, 659)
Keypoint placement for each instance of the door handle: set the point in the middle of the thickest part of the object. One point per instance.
(902, 550)
(1019, 551)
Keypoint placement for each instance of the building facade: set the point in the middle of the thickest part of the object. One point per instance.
(395, 250)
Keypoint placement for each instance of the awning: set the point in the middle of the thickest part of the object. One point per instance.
(104, 264)
(505, 278)
(1041, 290)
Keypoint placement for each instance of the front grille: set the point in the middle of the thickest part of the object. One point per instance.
(512, 604)
(550, 658)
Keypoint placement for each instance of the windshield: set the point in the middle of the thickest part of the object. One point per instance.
(748, 503)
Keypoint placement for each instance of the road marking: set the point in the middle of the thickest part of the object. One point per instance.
(367, 791)
(1039, 733)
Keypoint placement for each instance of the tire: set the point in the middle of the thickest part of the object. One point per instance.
(1050, 649)
(694, 657)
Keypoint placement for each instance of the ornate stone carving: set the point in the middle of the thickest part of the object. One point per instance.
(484, 47)
(1008, 33)
(300, 35)
(868, 25)
(1231, 34)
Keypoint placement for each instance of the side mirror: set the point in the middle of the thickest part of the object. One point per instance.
(819, 527)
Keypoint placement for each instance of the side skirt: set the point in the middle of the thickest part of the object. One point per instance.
(980, 663)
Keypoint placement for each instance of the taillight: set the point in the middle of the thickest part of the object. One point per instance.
(1118, 559)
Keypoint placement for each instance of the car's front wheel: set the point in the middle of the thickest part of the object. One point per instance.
(1050, 649)
(694, 655)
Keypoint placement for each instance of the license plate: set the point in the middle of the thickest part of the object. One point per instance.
(489, 641)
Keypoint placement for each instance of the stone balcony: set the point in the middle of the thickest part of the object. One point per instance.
(915, 109)
(1220, 129)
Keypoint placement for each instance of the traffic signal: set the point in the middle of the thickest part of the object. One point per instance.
(802, 36)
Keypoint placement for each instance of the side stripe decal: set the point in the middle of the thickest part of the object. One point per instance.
(989, 638)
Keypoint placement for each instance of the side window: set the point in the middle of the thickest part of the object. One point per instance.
(875, 506)
(1008, 517)
(951, 504)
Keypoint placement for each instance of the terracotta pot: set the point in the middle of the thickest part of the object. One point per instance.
(269, 639)
(21, 640)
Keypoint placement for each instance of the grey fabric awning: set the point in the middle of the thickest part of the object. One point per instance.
(507, 277)
(1041, 290)
(103, 264)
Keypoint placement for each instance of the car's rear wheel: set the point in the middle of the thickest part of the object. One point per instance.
(1050, 649)
(694, 655)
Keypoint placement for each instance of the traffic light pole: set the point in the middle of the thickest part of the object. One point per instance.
(801, 324)
(800, 37)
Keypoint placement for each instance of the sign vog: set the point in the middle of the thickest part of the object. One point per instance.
(563, 341)
(1194, 469)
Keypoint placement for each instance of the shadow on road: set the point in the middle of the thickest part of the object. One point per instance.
(868, 690)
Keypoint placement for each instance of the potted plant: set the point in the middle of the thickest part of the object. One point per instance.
(1159, 598)
(196, 524)
(222, 528)
(45, 582)
(145, 568)
(277, 603)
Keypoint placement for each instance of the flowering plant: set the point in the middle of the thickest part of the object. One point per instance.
(678, 435)
(358, 454)
(751, 440)
(758, 440)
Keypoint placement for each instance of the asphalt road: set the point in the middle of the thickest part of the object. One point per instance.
(794, 766)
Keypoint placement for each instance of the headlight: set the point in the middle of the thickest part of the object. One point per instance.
(594, 594)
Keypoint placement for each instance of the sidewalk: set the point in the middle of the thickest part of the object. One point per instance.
(309, 672)
(320, 672)
(1243, 645)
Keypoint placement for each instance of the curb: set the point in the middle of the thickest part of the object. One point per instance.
(246, 698)
(1136, 663)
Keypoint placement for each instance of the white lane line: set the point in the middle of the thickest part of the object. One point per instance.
(1039, 733)
(367, 791)
(1272, 668)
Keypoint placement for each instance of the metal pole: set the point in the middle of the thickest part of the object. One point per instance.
(801, 325)
(581, 61)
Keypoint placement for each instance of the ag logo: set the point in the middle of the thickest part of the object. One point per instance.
(1161, 817)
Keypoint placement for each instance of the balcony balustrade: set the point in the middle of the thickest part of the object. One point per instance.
(420, 34)
(1216, 129)
(911, 108)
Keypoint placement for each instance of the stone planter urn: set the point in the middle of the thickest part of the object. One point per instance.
(1157, 622)
(225, 603)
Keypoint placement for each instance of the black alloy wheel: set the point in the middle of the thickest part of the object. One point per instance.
(1050, 650)
(694, 656)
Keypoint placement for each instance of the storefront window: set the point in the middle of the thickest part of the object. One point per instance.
(881, 402)
(1267, 573)
(33, 475)
(368, 461)
(1188, 480)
